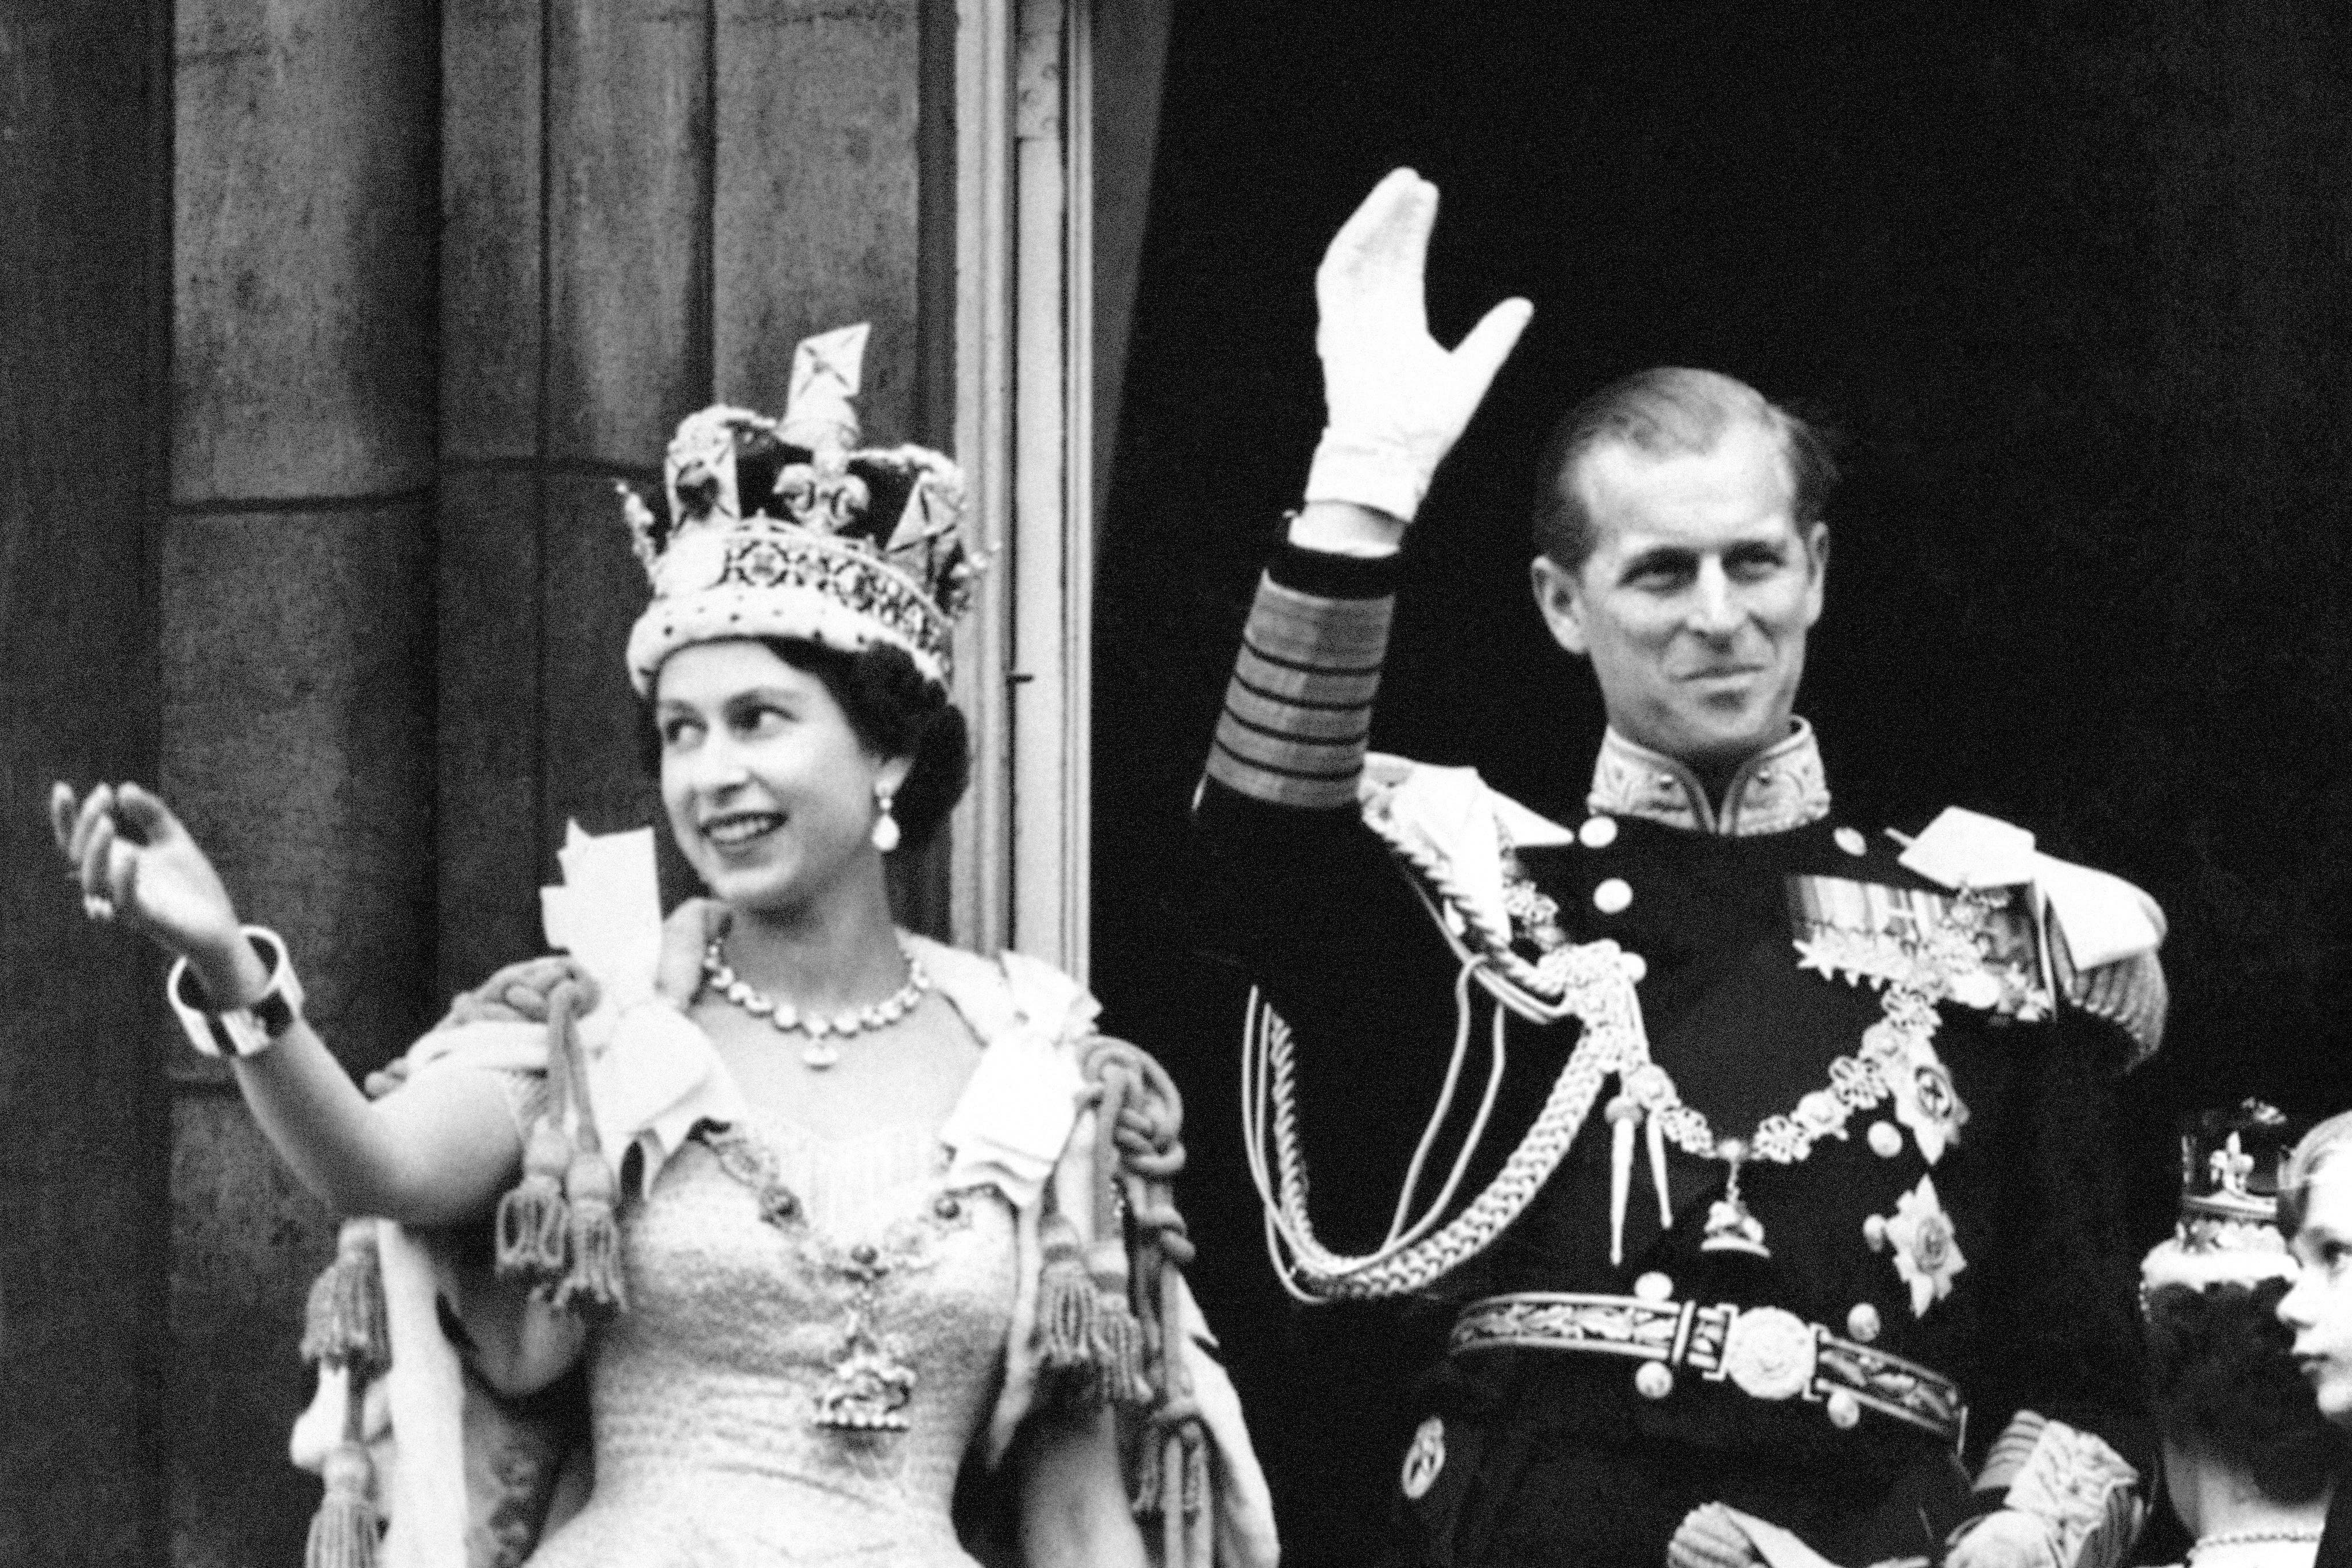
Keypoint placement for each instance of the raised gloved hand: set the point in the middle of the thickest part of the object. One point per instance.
(1394, 402)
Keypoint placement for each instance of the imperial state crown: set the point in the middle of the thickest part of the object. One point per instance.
(785, 527)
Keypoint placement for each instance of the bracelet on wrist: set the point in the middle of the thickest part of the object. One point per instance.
(243, 1031)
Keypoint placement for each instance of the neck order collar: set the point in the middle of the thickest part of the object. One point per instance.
(1780, 787)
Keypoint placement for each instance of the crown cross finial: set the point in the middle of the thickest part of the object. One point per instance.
(826, 371)
(2230, 1165)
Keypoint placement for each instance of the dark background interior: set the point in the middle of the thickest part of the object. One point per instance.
(2070, 277)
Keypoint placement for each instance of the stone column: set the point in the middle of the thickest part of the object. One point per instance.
(296, 634)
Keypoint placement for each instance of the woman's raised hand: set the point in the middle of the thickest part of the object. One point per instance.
(1395, 401)
(136, 864)
(437, 1155)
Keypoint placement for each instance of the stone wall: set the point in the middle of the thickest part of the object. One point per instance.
(443, 278)
(85, 265)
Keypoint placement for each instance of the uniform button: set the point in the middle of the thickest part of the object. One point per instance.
(1862, 1323)
(1598, 832)
(1654, 1287)
(1885, 1140)
(1655, 1380)
(1613, 896)
(1851, 841)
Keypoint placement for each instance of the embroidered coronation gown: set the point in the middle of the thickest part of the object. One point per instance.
(782, 1286)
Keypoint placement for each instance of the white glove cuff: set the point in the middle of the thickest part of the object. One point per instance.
(1382, 477)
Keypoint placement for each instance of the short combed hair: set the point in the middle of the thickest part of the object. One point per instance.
(2329, 1140)
(1666, 413)
(2223, 1383)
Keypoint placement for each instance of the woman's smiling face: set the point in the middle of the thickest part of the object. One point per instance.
(771, 795)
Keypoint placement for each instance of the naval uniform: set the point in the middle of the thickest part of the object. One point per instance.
(1917, 1303)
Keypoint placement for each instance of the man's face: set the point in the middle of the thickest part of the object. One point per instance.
(2319, 1307)
(1695, 602)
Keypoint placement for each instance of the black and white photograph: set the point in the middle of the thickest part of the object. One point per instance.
(1176, 784)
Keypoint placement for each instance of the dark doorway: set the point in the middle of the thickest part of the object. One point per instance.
(2070, 277)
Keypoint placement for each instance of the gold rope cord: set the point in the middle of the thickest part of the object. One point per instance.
(1594, 984)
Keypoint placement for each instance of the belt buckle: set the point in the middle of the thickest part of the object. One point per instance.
(1770, 1353)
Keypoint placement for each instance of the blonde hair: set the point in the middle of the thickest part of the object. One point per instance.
(2319, 1145)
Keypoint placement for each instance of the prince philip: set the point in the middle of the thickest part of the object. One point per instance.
(1755, 1156)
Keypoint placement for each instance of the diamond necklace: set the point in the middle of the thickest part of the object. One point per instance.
(821, 1052)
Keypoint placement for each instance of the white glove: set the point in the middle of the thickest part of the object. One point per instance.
(1394, 402)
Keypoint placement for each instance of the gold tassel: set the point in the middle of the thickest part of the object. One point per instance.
(532, 1223)
(343, 1532)
(1066, 1300)
(595, 1277)
(1118, 1347)
(343, 1321)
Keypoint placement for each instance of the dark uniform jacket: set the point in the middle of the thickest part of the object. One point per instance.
(1956, 1213)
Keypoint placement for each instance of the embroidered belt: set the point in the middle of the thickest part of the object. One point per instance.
(1764, 1352)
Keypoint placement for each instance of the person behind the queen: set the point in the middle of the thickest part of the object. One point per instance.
(1796, 1184)
(2249, 1460)
(823, 1207)
(2316, 1213)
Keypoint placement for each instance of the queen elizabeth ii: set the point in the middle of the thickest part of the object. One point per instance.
(825, 1208)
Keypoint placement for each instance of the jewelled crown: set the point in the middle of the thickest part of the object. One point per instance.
(785, 527)
(2227, 1231)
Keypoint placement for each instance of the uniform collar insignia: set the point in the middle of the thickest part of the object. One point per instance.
(1779, 788)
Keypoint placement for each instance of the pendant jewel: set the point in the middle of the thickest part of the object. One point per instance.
(868, 1387)
(1730, 1227)
(821, 1052)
